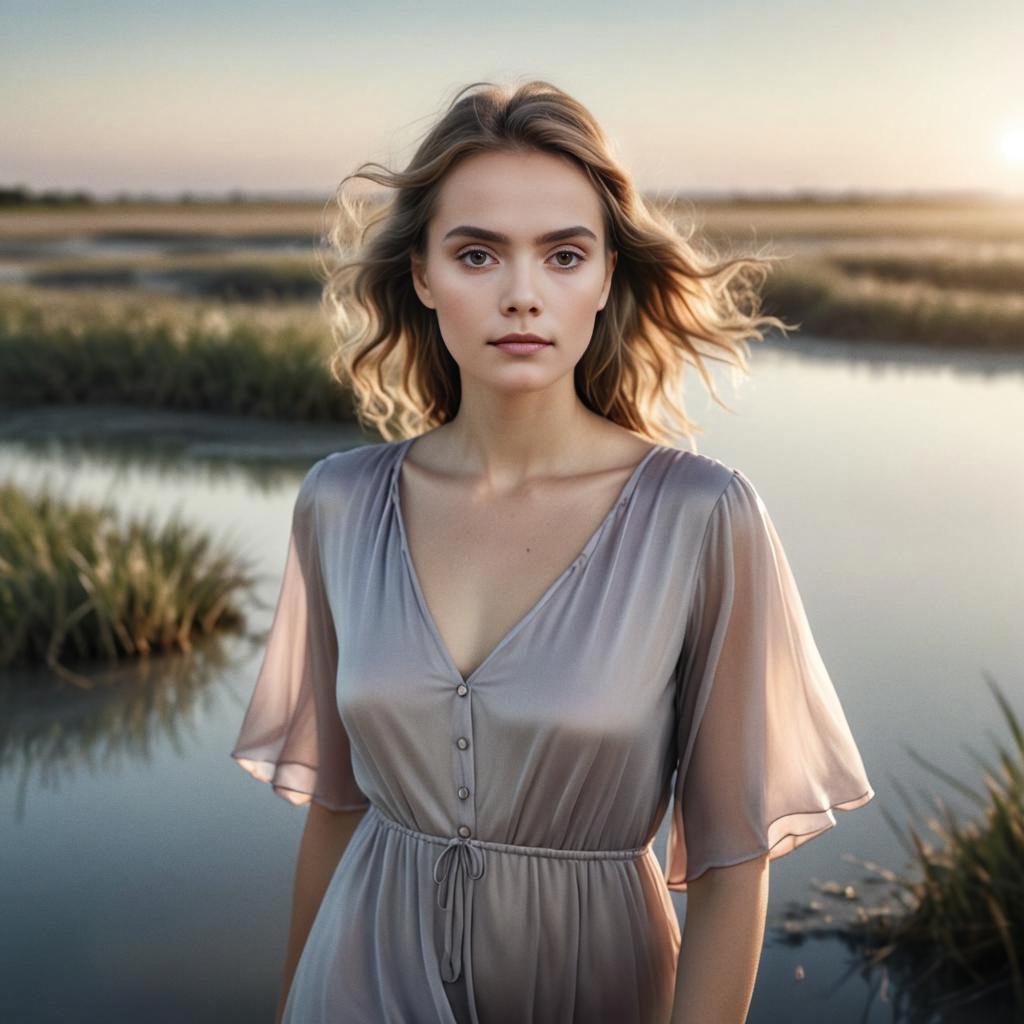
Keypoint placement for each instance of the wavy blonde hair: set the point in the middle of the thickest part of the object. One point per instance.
(669, 304)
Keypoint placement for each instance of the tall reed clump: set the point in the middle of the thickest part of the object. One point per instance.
(76, 586)
(959, 934)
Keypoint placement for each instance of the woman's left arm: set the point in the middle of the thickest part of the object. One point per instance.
(721, 943)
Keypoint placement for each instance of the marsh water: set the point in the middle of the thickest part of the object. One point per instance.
(144, 876)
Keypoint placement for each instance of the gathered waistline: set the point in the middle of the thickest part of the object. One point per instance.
(462, 861)
(517, 848)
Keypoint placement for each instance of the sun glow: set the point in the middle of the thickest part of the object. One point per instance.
(1011, 145)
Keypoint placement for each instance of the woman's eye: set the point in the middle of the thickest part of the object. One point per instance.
(472, 252)
(561, 252)
(569, 252)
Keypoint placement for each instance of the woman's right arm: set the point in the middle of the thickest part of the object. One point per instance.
(324, 839)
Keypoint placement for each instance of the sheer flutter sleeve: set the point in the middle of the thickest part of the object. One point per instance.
(292, 735)
(765, 751)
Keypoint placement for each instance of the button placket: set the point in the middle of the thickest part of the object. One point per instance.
(462, 780)
(462, 861)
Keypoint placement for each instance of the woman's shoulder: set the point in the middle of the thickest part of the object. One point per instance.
(353, 462)
(707, 489)
(695, 477)
(345, 480)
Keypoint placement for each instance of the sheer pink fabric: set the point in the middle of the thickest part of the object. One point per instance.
(292, 730)
(765, 752)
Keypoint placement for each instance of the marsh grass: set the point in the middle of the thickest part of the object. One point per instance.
(77, 586)
(168, 353)
(828, 302)
(993, 276)
(953, 933)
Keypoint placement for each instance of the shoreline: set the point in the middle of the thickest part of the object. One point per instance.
(192, 434)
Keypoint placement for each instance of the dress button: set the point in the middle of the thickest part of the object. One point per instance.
(462, 743)
(462, 689)
(463, 792)
(463, 831)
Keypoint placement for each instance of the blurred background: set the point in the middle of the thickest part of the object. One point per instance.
(164, 171)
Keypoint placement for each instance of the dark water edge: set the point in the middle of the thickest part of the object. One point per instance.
(104, 429)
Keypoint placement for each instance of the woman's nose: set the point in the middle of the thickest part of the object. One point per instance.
(521, 293)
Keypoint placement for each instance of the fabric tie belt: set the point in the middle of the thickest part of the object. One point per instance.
(459, 859)
(463, 859)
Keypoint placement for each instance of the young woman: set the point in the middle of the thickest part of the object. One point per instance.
(502, 636)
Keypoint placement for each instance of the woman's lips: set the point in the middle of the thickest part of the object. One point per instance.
(520, 348)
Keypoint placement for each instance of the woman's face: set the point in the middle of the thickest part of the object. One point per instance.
(489, 271)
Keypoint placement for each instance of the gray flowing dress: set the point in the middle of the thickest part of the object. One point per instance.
(503, 871)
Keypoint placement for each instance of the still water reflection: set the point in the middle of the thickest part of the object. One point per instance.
(143, 876)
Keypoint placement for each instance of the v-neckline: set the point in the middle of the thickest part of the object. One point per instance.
(395, 498)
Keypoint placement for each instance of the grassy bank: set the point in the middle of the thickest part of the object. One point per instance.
(167, 353)
(954, 933)
(77, 586)
(894, 302)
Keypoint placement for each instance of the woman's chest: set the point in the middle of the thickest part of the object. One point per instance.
(593, 654)
(482, 565)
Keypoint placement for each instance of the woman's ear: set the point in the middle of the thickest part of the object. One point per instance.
(418, 272)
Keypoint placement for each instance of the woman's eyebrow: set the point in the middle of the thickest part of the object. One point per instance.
(468, 231)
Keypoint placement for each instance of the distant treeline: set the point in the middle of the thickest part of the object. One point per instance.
(19, 195)
(51, 197)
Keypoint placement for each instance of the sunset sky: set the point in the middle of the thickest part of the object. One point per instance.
(701, 97)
